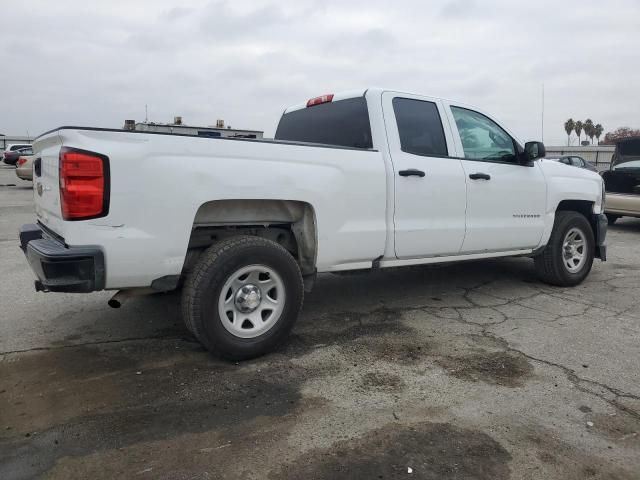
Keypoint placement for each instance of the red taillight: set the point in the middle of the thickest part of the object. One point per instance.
(84, 178)
(21, 161)
(319, 100)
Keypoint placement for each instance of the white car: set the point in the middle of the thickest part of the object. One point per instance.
(15, 146)
(365, 179)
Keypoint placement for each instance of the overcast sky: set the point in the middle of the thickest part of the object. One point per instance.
(98, 63)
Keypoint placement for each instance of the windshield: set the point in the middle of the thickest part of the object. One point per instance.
(627, 165)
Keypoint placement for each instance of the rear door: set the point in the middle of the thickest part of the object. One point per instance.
(429, 183)
(506, 200)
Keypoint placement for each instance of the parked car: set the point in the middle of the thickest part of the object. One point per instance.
(11, 156)
(574, 161)
(24, 167)
(622, 180)
(367, 179)
(13, 147)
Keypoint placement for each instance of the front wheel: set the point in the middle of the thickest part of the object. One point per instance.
(243, 297)
(567, 259)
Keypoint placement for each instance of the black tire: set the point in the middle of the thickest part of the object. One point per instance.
(550, 266)
(611, 218)
(204, 285)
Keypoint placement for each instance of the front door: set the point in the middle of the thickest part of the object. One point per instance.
(430, 191)
(506, 200)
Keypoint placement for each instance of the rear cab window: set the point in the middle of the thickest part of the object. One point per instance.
(343, 123)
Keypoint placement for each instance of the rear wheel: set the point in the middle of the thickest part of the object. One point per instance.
(243, 297)
(566, 260)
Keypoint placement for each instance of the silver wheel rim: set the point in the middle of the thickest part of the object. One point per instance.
(574, 250)
(251, 301)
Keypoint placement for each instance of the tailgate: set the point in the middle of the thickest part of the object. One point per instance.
(46, 188)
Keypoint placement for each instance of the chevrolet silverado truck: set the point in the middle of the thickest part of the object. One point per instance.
(366, 179)
(622, 181)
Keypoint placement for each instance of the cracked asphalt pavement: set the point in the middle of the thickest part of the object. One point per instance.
(466, 371)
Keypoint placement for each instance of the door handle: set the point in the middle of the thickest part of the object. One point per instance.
(480, 176)
(412, 172)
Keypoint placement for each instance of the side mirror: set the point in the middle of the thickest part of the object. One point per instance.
(534, 150)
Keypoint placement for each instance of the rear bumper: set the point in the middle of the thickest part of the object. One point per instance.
(600, 224)
(60, 268)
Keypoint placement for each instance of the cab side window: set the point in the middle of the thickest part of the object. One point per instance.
(420, 127)
(482, 138)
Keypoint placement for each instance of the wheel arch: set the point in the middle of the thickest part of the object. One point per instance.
(585, 207)
(291, 223)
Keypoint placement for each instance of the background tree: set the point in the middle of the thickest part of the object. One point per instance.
(588, 129)
(578, 129)
(568, 127)
(621, 132)
(598, 129)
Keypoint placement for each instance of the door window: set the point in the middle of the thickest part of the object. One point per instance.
(420, 127)
(482, 138)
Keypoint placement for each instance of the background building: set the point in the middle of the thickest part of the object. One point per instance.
(179, 127)
(9, 139)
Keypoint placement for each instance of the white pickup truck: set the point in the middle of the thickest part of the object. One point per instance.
(365, 179)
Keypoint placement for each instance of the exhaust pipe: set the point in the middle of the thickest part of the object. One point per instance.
(117, 300)
(121, 296)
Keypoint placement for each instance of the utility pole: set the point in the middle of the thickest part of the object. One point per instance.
(146, 114)
(542, 119)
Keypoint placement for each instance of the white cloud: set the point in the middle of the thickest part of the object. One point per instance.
(97, 63)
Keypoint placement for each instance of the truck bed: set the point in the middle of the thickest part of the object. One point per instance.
(159, 182)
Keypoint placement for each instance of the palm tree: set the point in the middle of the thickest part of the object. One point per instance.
(578, 129)
(598, 130)
(588, 128)
(568, 127)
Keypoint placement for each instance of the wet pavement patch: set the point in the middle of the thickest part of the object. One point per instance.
(566, 460)
(376, 335)
(495, 368)
(80, 400)
(619, 427)
(430, 450)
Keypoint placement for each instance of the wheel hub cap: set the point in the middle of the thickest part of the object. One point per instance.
(251, 300)
(248, 298)
(574, 250)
